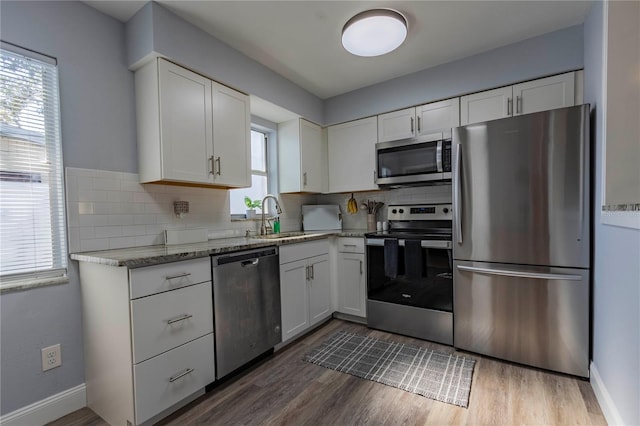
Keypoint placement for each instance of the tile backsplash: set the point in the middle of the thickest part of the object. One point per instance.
(108, 210)
(415, 195)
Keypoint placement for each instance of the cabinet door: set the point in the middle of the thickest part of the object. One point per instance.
(437, 117)
(352, 155)
(546, 93)
(319, 289)
(185, 124)
(397, 125)
(231, 137)
(485, 106)
(351, 284)
(311, 155)
(294, 298)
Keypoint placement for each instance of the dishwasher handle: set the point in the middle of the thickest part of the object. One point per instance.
(252, 262)
(245, 258)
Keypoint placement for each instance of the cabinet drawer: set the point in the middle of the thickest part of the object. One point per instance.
(293, 252)
(169, 378)
(168, 276)
(351, 245)
(166, 320)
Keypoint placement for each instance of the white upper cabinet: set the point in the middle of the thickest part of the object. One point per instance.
(397, 125)
(352, 156)
(190, 128)
(300, 154)
(437, 117)
(231, 137)
(484, 106)
(546, 93)
(538, 95)
(422, 120)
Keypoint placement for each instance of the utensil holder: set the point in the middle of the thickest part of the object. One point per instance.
(371, 222)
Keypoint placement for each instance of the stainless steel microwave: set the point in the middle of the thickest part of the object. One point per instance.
(409, 162)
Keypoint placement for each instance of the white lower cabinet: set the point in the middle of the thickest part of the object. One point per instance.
(293, 297)
(148, 338)
(319, 289)
(305, 286)
(172, 376)
(352, 273)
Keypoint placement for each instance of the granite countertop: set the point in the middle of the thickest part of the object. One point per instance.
(137, 257)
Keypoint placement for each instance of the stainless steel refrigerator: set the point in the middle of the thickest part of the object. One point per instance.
(521, 239)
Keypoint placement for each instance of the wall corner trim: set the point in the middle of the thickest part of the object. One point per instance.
(48, 409)
(607, 405)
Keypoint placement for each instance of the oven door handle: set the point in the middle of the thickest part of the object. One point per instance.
(379, 242)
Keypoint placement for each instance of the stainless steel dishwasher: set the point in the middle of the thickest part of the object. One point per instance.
(246, 301)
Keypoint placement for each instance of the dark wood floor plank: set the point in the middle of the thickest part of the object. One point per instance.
(285, 390)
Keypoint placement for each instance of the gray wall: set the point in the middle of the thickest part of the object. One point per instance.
(96, 88)
(98, 132)
(616, 270)
(537, 57)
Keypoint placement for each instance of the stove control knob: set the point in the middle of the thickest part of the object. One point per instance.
(401, 211)
(445, 210)
(394, 211)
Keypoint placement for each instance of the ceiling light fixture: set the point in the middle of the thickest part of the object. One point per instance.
(374, 32)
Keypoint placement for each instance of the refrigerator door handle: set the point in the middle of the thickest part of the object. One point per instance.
(581, 196)
(457, 214)
(520, 274)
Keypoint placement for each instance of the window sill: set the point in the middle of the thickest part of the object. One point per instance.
(33, 283)
(255, 219)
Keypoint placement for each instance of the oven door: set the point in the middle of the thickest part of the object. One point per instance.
(432, 288)
(410, 162)
(414, 304)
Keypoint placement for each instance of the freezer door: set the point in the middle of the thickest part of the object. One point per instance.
(521, 189)
(536, 316)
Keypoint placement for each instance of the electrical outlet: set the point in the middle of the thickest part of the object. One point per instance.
(51, 357)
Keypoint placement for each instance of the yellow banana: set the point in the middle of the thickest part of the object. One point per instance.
(352, 205)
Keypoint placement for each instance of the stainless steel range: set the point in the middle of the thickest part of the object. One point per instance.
(409, 273)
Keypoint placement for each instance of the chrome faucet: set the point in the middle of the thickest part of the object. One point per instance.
(263, 228)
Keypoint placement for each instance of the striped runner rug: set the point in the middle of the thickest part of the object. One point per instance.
(435, 375)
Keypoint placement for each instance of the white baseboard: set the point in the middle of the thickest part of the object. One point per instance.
(48, 409)
(609, 409)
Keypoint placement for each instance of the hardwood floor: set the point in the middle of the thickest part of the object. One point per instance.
(284, 390)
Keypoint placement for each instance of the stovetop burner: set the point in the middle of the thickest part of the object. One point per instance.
(418, 222)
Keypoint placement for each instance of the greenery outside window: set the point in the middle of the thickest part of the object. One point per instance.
(32, 216)
(259, 177)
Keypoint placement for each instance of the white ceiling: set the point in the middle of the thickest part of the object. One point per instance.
(300, 40)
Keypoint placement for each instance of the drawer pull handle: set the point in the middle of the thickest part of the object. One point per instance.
(173, 277)
(180, 318)
(180, 375)
(349, 245)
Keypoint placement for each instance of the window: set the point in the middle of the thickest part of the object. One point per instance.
(32, 220)
(259, 179)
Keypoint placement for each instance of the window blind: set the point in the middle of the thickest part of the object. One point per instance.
(32, 216)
